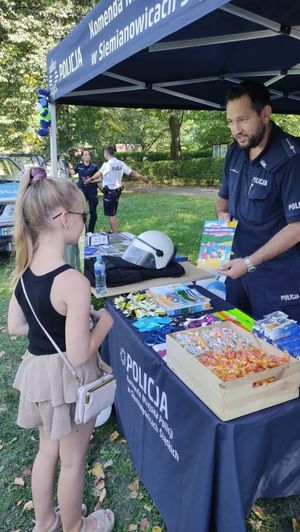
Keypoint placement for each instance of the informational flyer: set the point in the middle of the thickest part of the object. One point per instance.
(216, 244)
(116, 245)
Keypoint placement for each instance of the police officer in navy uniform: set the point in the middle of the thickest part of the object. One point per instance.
(261, 190)
(86, 170)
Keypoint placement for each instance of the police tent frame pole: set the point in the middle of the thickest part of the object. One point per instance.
(53, 140)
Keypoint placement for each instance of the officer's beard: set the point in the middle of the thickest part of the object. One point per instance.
(254, 140)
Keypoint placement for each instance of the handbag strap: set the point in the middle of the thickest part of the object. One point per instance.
(59, 351)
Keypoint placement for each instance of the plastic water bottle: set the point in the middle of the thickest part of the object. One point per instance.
(100, 276)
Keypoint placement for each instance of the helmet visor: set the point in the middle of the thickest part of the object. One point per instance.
(140, 257)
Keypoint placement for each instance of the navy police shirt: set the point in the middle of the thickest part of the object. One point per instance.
(85, 171)
(263, 194)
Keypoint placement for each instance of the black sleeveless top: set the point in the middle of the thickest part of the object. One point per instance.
(38, 288)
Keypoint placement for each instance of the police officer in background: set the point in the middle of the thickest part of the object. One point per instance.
(261, 189)
(111, 174)
(86, 171)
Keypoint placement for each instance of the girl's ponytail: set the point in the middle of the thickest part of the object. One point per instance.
(37, 197)
(24, 244)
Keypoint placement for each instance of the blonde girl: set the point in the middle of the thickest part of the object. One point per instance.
(50, 213)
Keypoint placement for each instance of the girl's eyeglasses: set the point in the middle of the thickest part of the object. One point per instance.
(83, 214)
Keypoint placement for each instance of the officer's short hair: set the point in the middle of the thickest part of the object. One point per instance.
(257, 92)
(110, 149)
(85, 151)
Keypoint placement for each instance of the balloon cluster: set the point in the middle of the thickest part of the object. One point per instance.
(42, 109)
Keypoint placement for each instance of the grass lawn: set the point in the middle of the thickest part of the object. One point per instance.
(181, 217)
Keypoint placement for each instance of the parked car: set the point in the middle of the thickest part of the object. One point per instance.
(33, 159)
(23, 160)
(12, 167)
(62, 167)
(10, 175)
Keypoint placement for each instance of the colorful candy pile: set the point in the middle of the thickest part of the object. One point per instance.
(227, 354)
(230, 364)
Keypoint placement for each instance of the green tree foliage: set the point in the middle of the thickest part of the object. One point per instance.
(28, 30)
(290, 123)
(205, 128)
(144, 127)
(97, 127)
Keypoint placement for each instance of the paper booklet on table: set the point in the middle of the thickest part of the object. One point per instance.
(216, 244)
(108, 245)
(179, 298)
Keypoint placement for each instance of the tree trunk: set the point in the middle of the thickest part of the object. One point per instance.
(175, 121)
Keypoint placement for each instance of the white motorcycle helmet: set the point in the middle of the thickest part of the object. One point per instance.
(151, 249)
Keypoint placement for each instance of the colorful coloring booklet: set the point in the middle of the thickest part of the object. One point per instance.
(216, 244)
(179, 299)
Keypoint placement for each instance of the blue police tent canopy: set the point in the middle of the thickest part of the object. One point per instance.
(178, 53)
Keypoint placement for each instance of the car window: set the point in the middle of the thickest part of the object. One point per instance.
(9, 171)
(27, 160)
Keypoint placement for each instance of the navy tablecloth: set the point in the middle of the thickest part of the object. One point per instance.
(203, 474)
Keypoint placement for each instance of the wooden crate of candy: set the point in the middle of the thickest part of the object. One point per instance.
(233, 372)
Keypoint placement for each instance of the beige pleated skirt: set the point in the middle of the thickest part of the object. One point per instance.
(48, 392)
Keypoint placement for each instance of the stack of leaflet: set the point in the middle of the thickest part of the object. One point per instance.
(179, 299)
(96, 239)
(291, 344)
(107, 244)
(278, 329)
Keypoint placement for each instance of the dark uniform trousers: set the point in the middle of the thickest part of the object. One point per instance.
(90, 191)
(92, 199)
(274, 285)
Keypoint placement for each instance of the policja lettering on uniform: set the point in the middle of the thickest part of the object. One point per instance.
(289, 297)
(294, 206)
(260, 181)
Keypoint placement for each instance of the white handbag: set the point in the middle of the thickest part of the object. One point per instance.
(92, 397)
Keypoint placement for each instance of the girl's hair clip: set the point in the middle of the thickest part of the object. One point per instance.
(37, 173)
